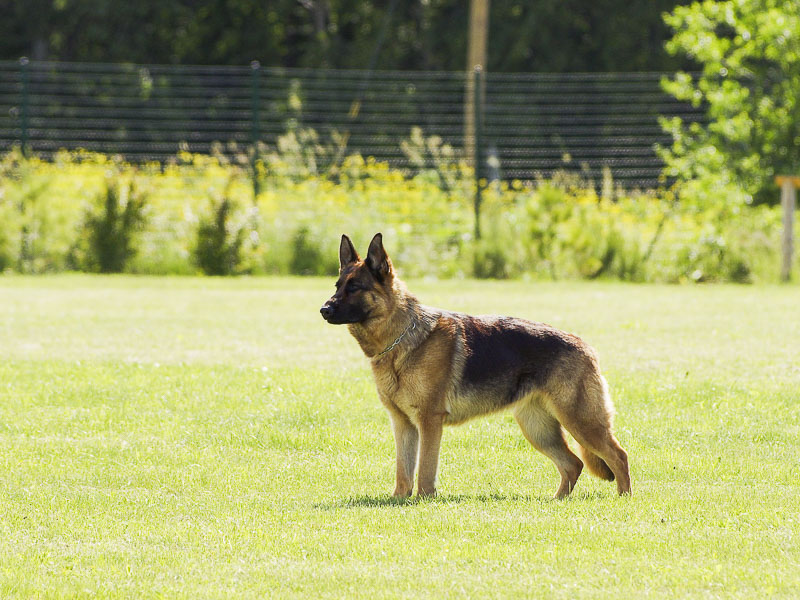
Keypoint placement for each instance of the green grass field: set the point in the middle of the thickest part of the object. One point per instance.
(209, 438)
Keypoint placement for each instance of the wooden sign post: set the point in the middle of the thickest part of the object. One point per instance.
(789, 185)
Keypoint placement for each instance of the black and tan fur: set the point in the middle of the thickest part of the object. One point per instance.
(434, 367)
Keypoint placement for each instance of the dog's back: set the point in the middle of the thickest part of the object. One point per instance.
(509, 358)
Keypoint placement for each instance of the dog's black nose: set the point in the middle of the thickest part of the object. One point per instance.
(326, 311)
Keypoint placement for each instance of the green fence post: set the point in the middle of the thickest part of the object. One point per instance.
(479, 154)
(23, 110)
(255, 133)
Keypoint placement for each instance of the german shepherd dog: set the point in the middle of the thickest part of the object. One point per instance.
(434, 367)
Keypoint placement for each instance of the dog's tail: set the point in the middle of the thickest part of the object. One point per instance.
(596, 465)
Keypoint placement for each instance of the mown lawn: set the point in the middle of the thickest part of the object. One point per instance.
(210, 438)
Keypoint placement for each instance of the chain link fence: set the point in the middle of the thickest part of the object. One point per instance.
(533, 125)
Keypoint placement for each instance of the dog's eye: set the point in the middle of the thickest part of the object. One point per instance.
(352, 287)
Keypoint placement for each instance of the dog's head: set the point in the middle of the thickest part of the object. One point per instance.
(364, 290)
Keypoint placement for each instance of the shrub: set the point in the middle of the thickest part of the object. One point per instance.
(490, 261)
(110, 228)
(307, 257)
(218, 250)
(30, 239)
(6, 259)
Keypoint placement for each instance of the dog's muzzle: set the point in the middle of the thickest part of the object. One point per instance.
(327, 311)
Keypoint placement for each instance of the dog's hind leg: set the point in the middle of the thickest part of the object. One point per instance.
(546, 435)
(590, 425)
(406, 440)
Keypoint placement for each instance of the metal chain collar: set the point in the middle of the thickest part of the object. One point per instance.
(397, 341)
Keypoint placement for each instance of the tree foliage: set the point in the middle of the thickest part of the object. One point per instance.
(549, 35)
(750, 83)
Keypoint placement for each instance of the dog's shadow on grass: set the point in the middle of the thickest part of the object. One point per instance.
(447, 499)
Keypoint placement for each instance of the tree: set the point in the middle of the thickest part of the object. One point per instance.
(580, 36)
(749, 51)
(547, 35)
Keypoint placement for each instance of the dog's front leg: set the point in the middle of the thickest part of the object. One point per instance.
(406, 440)
(430, 431)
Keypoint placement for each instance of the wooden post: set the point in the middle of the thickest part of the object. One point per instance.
(788, 186)
(477, 41)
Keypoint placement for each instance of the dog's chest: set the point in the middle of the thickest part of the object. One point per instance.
(407, 391)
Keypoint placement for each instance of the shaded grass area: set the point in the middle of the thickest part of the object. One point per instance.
(203, 438)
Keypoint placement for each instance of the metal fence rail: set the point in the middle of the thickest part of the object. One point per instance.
(533, 124)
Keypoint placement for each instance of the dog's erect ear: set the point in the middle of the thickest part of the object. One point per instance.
(378, 261)
(347, 253)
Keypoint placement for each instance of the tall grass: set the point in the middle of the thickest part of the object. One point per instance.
(559, 229)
